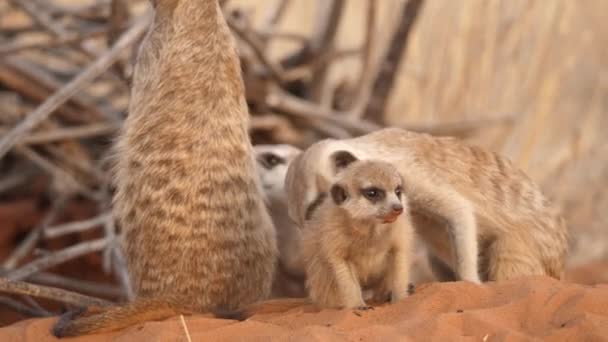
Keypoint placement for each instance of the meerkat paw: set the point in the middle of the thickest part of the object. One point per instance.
(475, 280)
(364, 307)
(396, 296)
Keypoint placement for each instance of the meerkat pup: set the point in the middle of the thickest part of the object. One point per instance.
(479, 215)
(197, 234)
(359, 238)
(272, 162)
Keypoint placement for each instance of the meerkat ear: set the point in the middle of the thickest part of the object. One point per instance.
(341, 159)
(338, 194)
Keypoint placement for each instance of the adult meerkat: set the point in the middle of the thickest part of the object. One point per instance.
(359, 238)
(477, 212)
(197, 235)
(272, 162)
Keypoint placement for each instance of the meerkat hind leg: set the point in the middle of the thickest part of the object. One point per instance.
(458, 215)
(508, 260)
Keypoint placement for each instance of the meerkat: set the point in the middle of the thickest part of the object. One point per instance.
(272, 162)
(359, 237)
(480, 216)
(197, 234)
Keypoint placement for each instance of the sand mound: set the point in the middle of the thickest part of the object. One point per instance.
(530, 308)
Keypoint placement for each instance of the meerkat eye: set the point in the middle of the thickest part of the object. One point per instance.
(373, 193)
(398, 191)
(270, 160)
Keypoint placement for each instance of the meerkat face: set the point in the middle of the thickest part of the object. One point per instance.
(370, 191)
(272, 163)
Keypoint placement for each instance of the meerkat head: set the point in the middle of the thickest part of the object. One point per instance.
(272, 163)
(369, 191)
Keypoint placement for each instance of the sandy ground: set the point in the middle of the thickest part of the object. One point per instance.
(536, 308)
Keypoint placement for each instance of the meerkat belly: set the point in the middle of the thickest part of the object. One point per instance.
(370, 266)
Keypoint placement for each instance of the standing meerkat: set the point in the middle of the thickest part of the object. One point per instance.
(478, 214)
(197, 235)
(359, 238)
(272, 162)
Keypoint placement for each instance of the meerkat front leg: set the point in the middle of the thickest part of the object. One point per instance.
(398, 272)
(331, 282)
(348, 285)
(449, 206)
(400, 275)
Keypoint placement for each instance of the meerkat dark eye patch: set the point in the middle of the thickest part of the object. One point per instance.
(338, 194)
(342, 159)
(314, 205)
(373, 194)
(270, 160)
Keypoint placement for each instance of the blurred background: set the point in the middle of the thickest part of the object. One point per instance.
(528, 79)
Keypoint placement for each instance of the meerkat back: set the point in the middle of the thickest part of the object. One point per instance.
(188, 197)
(197, 235)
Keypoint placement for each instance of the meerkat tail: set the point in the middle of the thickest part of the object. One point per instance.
(117, 317)
(271, 306)
(155, 309)
(279, 305)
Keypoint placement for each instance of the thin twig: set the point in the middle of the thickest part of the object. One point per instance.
(289, 104)
(46, 292)
(13, 180)
(21, 308)
(18, 46)
(30, 241)
(34, 304)
(64, 94)
(79, 132)
(77, 285)
(121, 272)
(273, 16)
(185, 328)
(257, 47)
(362, 91)
(329, 13)
(66, 178)
(57, 258)
(76, 227)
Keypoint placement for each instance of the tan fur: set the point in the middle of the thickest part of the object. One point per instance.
(465, 202)
(272, 162)
(197, 235)
(349, 246)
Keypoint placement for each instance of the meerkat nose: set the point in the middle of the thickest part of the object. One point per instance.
(397, 208)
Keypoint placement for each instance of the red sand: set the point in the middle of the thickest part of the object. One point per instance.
(536, 308)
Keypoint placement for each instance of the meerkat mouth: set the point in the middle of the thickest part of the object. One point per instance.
(390, 218)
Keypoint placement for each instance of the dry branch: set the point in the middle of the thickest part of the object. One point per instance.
(21, 308)
(28, 244)
(77, 285)
(89, 74)
(57, 258)
(68, 297)
(392, 60)
(329, 14)
(76, 227)
(12, 48)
